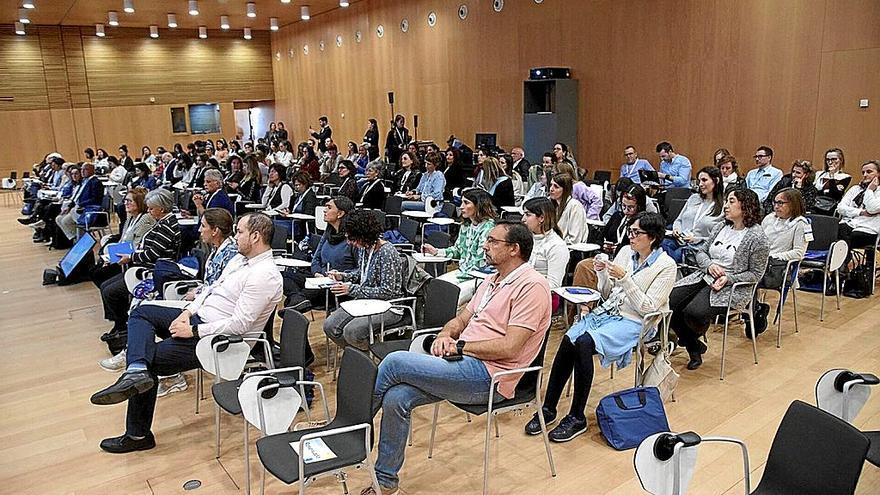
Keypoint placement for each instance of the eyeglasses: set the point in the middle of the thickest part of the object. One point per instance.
(634, 233)
(761, 156)
(779, 203)
(630, 153)
(835, 159)
(492, 240)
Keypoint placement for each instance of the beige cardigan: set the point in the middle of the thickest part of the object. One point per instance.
(647, 291)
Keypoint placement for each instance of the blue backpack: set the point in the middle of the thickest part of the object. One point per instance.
(630, 416)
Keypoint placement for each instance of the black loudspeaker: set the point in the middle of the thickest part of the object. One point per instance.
(549, 73)
(391, 97)
(415, 120)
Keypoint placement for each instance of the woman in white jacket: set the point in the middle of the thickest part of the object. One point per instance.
(549, 254)
(572, 217)
(860, 211)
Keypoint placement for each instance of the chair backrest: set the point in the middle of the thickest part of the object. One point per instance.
(824, 232)
(674, 208)
(13, 175)
(834, 397)
(409, 228)
(282, 235)
(678, 193)
(294, 336)
(814, 453)
(320, 223)
(230, 356)
(441, 303)
(354, 389)
(393, 205)
(438, 239)
(448, 209)
(602, 175)
(528, 384)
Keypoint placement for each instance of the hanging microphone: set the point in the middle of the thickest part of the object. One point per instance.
(415, 120)
(391, 97)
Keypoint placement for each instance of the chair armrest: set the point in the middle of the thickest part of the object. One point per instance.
(416, 333)
(405, 247)
(267, 348)
(323, 395)
(733, 290)
(745, 454)
(402, 299)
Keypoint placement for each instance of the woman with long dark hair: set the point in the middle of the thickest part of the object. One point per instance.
(700, 214)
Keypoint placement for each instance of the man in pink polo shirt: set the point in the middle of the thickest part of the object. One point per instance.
(501, 328)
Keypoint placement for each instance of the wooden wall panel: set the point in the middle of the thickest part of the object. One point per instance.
(700, 73)
(74, 57)
(27, 138)
(54, 66)
(128, 68)
(21, 72)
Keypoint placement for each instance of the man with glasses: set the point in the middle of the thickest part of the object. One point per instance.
(501, 328)
(762, 178)
(630, 169)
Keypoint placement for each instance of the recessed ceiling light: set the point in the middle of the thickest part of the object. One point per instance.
(193, 7)
(273, 23)
(172, 20)
(154, 31)
(285, 1)
(28, 4)
(304, 13)
(203, 32)
(113, 18)
(251, 9)
(128, 6)
(23, 16)
(224, 22)
(343, 3)
(99, 30)
(19, 29)
(247, 33)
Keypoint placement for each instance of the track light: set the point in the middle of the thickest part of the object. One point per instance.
(19, 29)
(203, 32)
(251, 9)
(23, 16)
(113, 18)
(28, 4)
(305, 13)
(224, 22)
(154, 31)
(247, 33)
(128, 6)
(285, 1)
(172, 20)
(99, 30)
(193, 7)
(273, 23)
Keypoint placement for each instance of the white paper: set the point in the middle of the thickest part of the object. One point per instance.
(315, 450)
(319, 282)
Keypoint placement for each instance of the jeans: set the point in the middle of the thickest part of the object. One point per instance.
(407, 380)
(164, 358)
(344, 329)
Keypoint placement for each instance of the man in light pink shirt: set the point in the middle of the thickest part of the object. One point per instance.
(501, 328)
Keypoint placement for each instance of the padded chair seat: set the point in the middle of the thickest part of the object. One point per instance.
(521, 397)
(382, 349)
(874, 451)
(281, 459)
(226, 396)
(813, 264)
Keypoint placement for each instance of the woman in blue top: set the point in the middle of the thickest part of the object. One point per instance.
(431, 185)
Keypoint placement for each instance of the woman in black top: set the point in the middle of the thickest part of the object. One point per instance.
(407, 178)
(398, 138)
(373, 195)
(455, 177)
(347, 181)
(278, 193)
(371, 137)
(305, 201)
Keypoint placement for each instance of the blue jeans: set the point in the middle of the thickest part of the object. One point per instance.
(407, 380)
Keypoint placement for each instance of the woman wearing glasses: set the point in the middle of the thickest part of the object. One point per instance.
(637, 283)
(831, 183)
(737, 251)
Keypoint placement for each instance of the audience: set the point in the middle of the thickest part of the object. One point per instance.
(675, 169)
(454, 174)
(549, 253)
(278, 193)
(378, 275)
(214, 195)
(432, 183)
(801, 178)
(478, 218)
(496, 182)
(737, 251)
(240, 302)
(730, 173)
(373, 191)
(699, 217)
(304, 202)
(324, 133)
(406, 178)
(137, 223)
(637, 283)
(630, 169)
(572, 217)
(397, 139)
(764, 176)
(87, 196)
(502, 328)
(831, 184)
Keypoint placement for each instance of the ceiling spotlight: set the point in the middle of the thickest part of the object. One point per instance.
(343, 3)
(113, 18)
(247, 33)
(154, 31)
(251, 9)
(172, 20)
(285, 1)
(28, 4)
(203, 32)
(19, 29)
(99, 30)
(305, 13)
(273, 23)
(23, 16)
(224, 22)
(128, 6)
(193, 7)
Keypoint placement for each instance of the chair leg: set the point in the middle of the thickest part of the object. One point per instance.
(754, 334)
(198, 388)
(433, 430)
(724, 343)
(540, 405)
(247, 459)
(486, 455)
(779, 322)
(217, 427)
(410, 442)
(837, 283)
(822, 304)
(794, 305)
(497, 433)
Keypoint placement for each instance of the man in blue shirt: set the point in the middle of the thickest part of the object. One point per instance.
(765, 176)
(675, 169)
(633, 164)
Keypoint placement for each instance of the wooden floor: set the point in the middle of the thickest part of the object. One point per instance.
(49, 432)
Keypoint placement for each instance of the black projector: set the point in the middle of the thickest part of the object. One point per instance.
(550, 73)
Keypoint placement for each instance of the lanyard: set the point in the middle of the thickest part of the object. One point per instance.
(366, 267)
(299, 200)
(133, 223)
(493, 286)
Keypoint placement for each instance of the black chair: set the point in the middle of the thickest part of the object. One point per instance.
(438, 239)
(601, 176)
(448, 209)
(527, 395)
(825, 242)
(349, 435)
(410, 229)
(813, 453)
(281, 239)
(674, 209)
(392, 209)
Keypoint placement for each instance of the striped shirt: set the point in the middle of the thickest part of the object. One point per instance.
(162, 241)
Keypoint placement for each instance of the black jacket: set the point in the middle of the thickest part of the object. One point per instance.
(373, 195)
(410, 184)
(322, 136)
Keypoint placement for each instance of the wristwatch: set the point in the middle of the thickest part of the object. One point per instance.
(459, 347)
(195, 331)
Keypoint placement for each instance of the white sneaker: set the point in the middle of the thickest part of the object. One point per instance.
(115, 363)
(171, 384)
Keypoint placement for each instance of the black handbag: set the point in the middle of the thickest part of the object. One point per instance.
(824, 205)
(858, 283)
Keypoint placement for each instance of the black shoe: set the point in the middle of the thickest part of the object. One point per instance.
(696, 360)
(126, 444)
(533, 427)
(108, 336)
(116, 343)
(38, 239)
(127, 386)
(567, 429)
(762, 311)
(27, 220)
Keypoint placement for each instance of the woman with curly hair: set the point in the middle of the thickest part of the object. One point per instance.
(737, 251)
